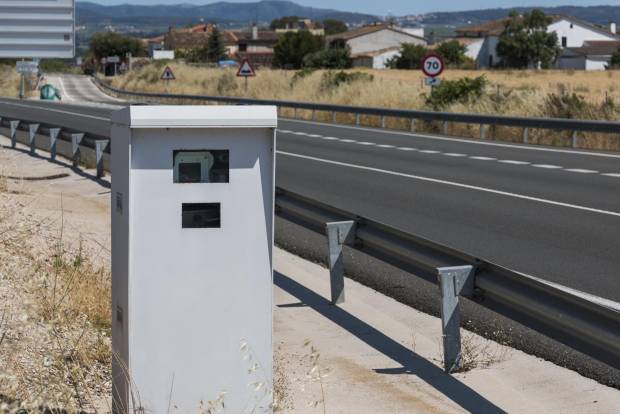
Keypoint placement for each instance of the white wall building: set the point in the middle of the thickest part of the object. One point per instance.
(372, 46)
(571, 33)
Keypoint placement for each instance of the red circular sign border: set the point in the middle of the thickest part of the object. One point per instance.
(438, 56)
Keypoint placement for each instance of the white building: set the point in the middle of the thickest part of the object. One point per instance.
(372, 46)
(592, 55)
(482, 39)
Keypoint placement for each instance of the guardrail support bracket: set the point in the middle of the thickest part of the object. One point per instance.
(100, 146)
(76, 139)
(338, 234)
(357, 119)
(54, 133)
(413, 125)
(526, 135)
(32, 133)
(483, 131)
(14, 126)
(453, 282)
(574, 139)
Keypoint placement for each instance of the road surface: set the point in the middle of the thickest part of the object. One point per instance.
(549, 212)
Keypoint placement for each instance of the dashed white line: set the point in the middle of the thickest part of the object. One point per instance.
(581, 170)
(479, 158)
(455, 154)
(514, 162)
(454, 184)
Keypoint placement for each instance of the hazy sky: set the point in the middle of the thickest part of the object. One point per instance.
(397, 7)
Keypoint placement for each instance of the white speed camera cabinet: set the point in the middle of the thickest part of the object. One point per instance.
(192, 238)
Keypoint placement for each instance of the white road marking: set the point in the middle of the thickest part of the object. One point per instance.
(483, 158)
(347, 140)
(465, 141)
(64, 91)
(406, 149)
(365, 143)
(514, 162)
(612, 175)
(547, 166)
(331, 138)
(429, 152)
(315, 136)
(581, 170)
(60, 112)
(454, 184)
(454, 154)
(386, 146)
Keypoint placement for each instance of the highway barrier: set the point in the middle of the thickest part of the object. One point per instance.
(575, 126)
(579, 320)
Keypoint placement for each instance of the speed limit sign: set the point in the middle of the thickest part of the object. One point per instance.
(432, 65)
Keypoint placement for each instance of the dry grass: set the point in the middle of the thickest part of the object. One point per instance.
(9, 81)
(512, 93)
(55, 323)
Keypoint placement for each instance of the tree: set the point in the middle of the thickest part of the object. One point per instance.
(104, 44)
(292, 47)
(285, 22)
(525, 41)
(333, 58)
(215, 46)
(615, 60)
(410, 57)
(333, 26)
(452, 52)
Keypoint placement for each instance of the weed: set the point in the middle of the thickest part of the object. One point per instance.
(331, 81)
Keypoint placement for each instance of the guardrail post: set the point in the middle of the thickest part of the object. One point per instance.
(483, 131)
(294, 113)
(76, 140)
(100, 146)
(338, 233)
(14, 126)
(446, 127)
(383, 122)
(334, 117)
(313, 114)
(574, 139)
(453, 281)
(526, 135)
(54, 132)
(32, 133)
(413, 125)
(357, 119)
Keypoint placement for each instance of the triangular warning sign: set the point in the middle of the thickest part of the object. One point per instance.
(246, 69)
(167, 75)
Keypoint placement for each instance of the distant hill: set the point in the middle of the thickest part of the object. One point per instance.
(263, 11)
(600, 15)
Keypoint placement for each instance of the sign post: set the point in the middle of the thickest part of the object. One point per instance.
(432, 66)
(25, 68)
(167, 76)
(246, 70)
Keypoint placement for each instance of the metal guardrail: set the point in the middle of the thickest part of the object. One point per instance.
(581, 321)
(526, 123)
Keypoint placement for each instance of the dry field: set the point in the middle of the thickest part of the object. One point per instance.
(512, 93)
(9, 81)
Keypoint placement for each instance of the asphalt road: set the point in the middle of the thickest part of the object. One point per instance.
(548, 212)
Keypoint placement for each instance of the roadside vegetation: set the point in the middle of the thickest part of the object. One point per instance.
(545, 93)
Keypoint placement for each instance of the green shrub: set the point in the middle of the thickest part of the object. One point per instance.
(410, 57)
(459, 90)
(333, 58)
(301, 74)
(332, 80)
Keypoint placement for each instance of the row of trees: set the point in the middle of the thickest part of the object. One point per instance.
(331, 26)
